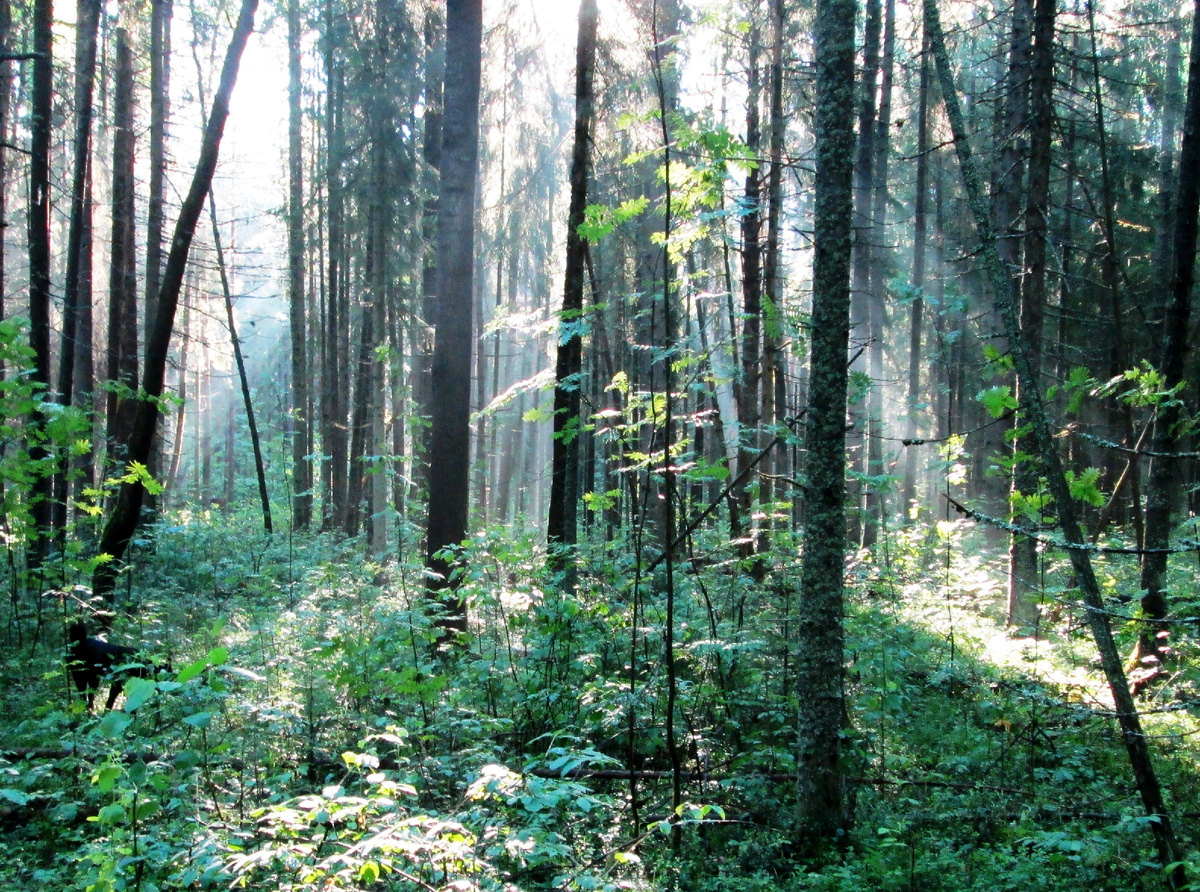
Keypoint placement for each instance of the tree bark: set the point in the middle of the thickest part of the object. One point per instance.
(126, 513)
(819, 633)
(562, 520)
(449, 466)
(916, 320)
(1023, 589)
(79, 231)
(122, 366)
(302, 476)
(1164, 479)
(39, 261)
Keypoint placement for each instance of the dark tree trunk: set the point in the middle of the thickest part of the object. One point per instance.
(916, 320)
(561, 524)
(160, 101)
(302, 477)
(874, 501)
(122, 367)
(819, 636)
(774, 401)
(335, 377)
(39, 258)
(79, 232)
(1023, 594)
(1164, 482)
(431, 151)
(864, 239)
(449, 465)
(749, 403)
(126, 513)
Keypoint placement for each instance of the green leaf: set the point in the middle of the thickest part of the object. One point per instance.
(190, 671)
(106, 777)
(997, 400)
(115, 723)
(1084, 486)
(12, 795)
(137, 692)
(111, 814)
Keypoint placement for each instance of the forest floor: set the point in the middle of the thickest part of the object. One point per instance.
(311, 736)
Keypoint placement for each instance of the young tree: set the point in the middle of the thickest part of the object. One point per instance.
(449, 460)
(819, 636)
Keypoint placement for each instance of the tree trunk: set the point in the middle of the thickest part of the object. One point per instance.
(431, 152)
(449, 465)
(302, 476)
(874, 501)
(39, 260)
(918, 284)
(122, 368)
(160, 103)
(259, 470)
(1165, 477)
(861, 529)
(774, 399)
(126, 513)
(1023, 588)
(561, 524)
(820, 635)
(1033, 409)
(78, 240)
(748, 398)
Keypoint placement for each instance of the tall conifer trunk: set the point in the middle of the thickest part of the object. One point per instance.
(449, 466)
(562, 521)
(302, 476)
(820, 635)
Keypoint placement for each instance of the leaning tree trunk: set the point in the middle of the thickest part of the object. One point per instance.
(562, 521)
(126, 513)
(449, 461)
(1033, 409)
(243, 381)
(820, 634)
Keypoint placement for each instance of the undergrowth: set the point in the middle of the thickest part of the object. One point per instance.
(314, 736)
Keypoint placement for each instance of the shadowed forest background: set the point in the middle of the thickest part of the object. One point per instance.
(651, 444)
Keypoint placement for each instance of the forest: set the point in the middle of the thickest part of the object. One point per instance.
(624, 444)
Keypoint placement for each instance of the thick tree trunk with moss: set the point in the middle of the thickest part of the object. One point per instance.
(820, 635)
